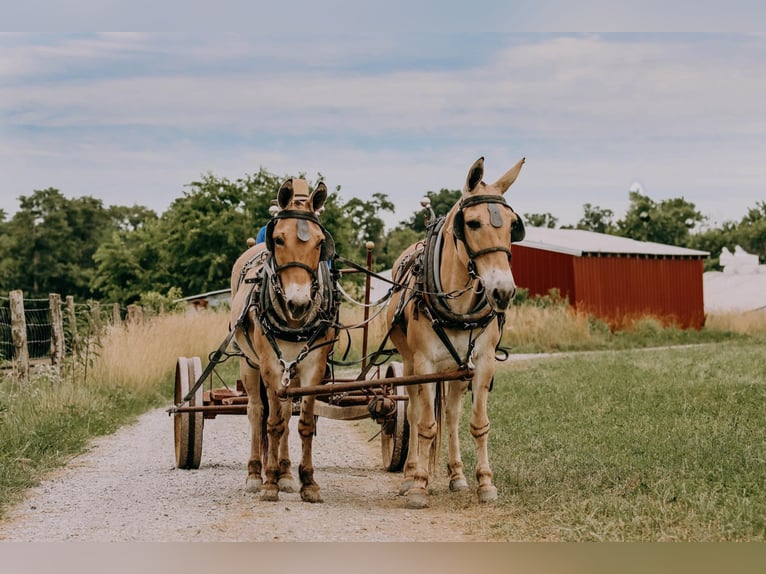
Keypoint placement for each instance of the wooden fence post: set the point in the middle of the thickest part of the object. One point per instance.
(95, 320)
(135, 314)
(19, 334)
(72, 325)
(116, 318)
(57, 331)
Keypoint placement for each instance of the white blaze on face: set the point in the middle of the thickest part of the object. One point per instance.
(499, 286)
(298, 298)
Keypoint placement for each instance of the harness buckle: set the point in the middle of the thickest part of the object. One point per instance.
(288, 372)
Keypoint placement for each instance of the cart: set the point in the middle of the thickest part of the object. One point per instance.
(377, 392)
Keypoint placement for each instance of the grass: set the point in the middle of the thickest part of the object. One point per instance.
(614, 445)
(52, 416)
(637, 445)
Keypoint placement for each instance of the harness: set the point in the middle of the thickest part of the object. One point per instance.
(428, 296)
(266, 300)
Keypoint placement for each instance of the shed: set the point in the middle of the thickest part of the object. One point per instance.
(611, 277)
(210, 299)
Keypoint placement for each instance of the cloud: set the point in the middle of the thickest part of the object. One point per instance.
(134, 117)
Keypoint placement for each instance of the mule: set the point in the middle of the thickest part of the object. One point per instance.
(284, 307)
(449, 308)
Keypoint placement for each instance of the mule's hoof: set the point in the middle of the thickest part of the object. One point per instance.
(458, 484)
(487, 494)
(417, 498)
(406, 486)
(287, 484)
(311, 494)
(253, 485)
(269, 493)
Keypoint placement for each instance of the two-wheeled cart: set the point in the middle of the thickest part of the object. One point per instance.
(377, 392)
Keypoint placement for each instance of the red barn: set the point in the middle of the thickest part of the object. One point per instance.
(614, 278)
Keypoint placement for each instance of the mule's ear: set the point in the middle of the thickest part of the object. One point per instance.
(285, 193)
(318, 196)
(475, 175)
(509, 176)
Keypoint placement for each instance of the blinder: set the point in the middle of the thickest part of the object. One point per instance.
(517, 228)
(327, 252)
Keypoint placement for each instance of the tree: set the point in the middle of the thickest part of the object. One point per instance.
(51, 241)
(441, 202)
(202, 233)
(751, 232)
(596, 219)
(366, 223)
(668, 222)
(540, 220)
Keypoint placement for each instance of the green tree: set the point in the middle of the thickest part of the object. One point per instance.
(441, 202)
(396, 241)
(50, 243)
(366, 223)
(669, 221)
(751, 231)
(596, 219)
(540, 220)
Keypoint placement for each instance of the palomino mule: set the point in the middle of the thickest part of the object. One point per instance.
(449, 309)
(285, 307)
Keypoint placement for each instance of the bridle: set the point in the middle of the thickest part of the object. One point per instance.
(493, 203)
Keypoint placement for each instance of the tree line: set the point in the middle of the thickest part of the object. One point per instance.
(127, 254)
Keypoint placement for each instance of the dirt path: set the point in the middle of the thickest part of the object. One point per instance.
(126, 488)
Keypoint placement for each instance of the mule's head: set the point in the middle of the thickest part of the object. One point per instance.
(484, 226)
(298, 243)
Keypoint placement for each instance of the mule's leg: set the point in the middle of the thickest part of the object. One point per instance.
(286, 481)
(455, 392)
(480, 431)
(276, 425)
(412, 443)
(251, 380)
(425, 428)
(307, 428)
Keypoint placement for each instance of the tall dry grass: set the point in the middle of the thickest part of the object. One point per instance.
(556, 327)
(138, 355)
(745, 323)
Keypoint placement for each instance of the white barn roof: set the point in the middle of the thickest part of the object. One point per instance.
(579, 242)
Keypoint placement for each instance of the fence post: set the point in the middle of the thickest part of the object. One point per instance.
(116, 319)
(57, 331)
(72, 325)
(19, 334)
(135, 314)
(95, 318)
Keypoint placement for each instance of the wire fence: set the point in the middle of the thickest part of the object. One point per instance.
(81, 322)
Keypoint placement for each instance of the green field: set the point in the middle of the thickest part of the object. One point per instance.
(644, 445)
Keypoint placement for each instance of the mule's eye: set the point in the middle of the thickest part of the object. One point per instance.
(474, 225)
(279, 241)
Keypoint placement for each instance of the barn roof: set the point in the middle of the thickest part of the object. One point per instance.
(579, 242)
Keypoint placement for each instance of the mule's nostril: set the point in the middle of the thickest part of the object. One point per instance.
(298, 310)
(502, 298)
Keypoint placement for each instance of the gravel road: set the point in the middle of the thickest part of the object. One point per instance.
(126, 488)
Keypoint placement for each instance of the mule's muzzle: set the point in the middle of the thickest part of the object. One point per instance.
(298, 308)
(500, 298)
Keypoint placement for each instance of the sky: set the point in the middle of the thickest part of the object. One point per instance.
(134, 117)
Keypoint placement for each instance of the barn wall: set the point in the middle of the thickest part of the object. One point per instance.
(539, 271)
(616, 288)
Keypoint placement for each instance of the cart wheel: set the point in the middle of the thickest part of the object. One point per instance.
(188, 426)
(395, 432)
